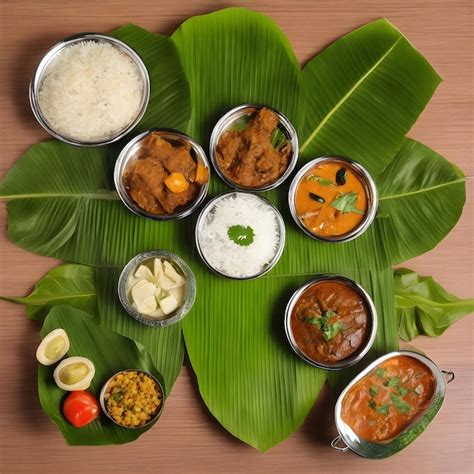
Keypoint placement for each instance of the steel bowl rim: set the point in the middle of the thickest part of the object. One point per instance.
(441, 388)
(281, 225)
(125, 156)
(370, 190)
(221, 127)
(356, 356)
(42, 66)
(104, 408)
(180, 312)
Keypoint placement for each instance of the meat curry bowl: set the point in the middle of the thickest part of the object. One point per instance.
(331, 322)
(253, 148)
(162, 174)
(333, 199)
(389, 404)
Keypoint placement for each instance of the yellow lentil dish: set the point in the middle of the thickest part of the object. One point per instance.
(133, 399)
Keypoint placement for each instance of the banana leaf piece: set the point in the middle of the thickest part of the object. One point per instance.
(236, 56)
(68, 284)
(424, 307)
(364, 92)
(110, 353)
(169, 104)
(424, 195)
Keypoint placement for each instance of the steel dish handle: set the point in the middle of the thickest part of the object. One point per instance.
(336, 441)
(449, 375)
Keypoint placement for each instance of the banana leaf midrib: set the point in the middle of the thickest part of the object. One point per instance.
(341, 102)
(37, 302)
(422, 190)
(426, 302)
(105, 195)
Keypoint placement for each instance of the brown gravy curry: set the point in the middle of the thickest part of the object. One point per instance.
(330, 321)
(249, 157)
(388, 398)
(164, 176)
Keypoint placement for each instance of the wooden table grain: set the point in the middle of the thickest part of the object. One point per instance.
(187, 438)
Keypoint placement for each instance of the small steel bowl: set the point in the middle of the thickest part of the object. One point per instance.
(370, 190)
(209, 208)
(42, 67)
(127, 155)
(229, 119)
(348, 439)
(356, 356)
(190, 293)
(104, 408)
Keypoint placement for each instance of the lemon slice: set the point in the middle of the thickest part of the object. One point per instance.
(53, 347)
(74, 373)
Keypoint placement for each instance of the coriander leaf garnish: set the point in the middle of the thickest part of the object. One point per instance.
(373, 390)
(320, 180)
(392, 382)
(328, 330)
(400, 405)
(346, 203)
(383, 409)
(372, 404)
(380, 373)
(241, 235)
(402, 391)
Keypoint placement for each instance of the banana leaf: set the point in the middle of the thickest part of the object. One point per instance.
(236, 56)
(424, 307)
(363, 93)
(110, 353)
(169, 104)
(68, 284)
(424, 196)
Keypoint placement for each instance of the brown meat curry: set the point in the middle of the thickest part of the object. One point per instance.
(248, 157)
(164, 176)
(329, 321)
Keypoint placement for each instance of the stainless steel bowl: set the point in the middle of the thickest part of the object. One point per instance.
(209, 209)
(190, 291)
(104, 408)
(348, 439)
(229, 119)
(42, 67)
(356, 356)
(370, 190)
(128, 154)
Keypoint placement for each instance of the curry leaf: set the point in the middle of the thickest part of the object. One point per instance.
(346, 203)
(424, 307)
(67, 284)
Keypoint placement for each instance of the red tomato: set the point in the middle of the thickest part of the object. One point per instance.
(80, 408)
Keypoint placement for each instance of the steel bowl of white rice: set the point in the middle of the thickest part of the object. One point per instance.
(90, 90)
(240, 235)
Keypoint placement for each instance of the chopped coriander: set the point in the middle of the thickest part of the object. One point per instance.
(394, 381)
(373, 390)
(329, 330)
(372, 404)
(241, 235)
(402, 391)
(312, 320)
(400, 405)
(380, 373)
(332, 330)
(383, 409)
(346, 203)
(329, 313)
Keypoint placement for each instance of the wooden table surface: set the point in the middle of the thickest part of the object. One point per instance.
(187, 438)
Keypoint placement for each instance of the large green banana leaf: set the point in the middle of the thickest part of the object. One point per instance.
(237, 56)
(109, 353)
(364, 92)
(424, 196)
(68, 284)
(62, 203)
